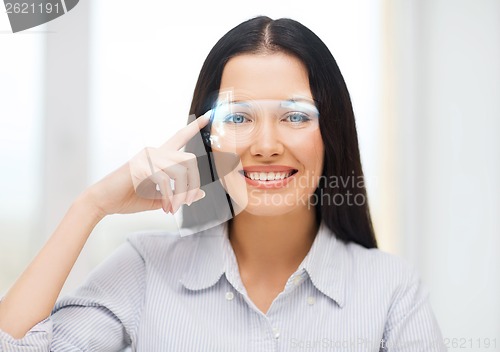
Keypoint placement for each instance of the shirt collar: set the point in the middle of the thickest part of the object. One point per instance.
(213, 256)
(206, 263)
(325, 265)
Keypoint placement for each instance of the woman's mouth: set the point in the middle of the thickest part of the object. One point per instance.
(268, 176)
(268, 179)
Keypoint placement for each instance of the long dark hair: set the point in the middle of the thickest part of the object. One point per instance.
(342, 179)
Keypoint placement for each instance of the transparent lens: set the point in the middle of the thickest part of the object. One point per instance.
(240, 122)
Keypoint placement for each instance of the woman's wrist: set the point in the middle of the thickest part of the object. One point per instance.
(88, 203)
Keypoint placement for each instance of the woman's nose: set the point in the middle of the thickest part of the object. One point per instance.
(267, 141)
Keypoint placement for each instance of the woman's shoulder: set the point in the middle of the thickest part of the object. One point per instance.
(358, 262)
(378, 268)
(162, 245)
(376, 259)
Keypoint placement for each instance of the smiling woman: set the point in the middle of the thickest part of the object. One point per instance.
(271, 96)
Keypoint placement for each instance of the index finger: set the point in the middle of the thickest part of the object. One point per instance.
(181, 137)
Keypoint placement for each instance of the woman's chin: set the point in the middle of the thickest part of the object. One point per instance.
(266, 206)
(259, 211)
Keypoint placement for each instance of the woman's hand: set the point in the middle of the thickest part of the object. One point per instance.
(144, 182)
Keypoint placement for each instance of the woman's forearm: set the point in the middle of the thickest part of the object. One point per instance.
(32, 297)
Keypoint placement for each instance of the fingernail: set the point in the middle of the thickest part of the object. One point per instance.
(202, 195)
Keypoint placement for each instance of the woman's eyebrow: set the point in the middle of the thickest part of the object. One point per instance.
(240, 102)
(302, 99)
(243, 103)
(292, 100)
(305, 104)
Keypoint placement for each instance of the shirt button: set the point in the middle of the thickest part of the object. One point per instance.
(229, 295)
(297, 280)
(311, 300)
(276, 333)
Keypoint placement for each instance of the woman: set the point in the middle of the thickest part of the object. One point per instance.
(295, 268)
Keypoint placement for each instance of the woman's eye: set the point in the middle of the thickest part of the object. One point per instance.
(297, 118)
(235, 118)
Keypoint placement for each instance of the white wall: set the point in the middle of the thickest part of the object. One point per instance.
(21, 82)
(461, 205)
(446, 119)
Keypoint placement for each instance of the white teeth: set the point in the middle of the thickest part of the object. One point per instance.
(267, 176)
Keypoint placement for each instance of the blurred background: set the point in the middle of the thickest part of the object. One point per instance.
(82, 94)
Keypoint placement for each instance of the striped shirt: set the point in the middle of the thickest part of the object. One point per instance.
(161, 292)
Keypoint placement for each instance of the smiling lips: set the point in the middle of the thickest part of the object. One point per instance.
(268, 176)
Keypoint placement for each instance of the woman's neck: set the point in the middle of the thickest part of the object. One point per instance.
(272, 245)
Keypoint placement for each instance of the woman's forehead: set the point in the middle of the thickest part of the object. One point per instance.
(275, 76)
(232, 95)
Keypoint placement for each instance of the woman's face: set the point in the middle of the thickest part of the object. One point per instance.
(268, 118)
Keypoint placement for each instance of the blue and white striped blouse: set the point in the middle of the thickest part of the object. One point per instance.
(160, 292)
